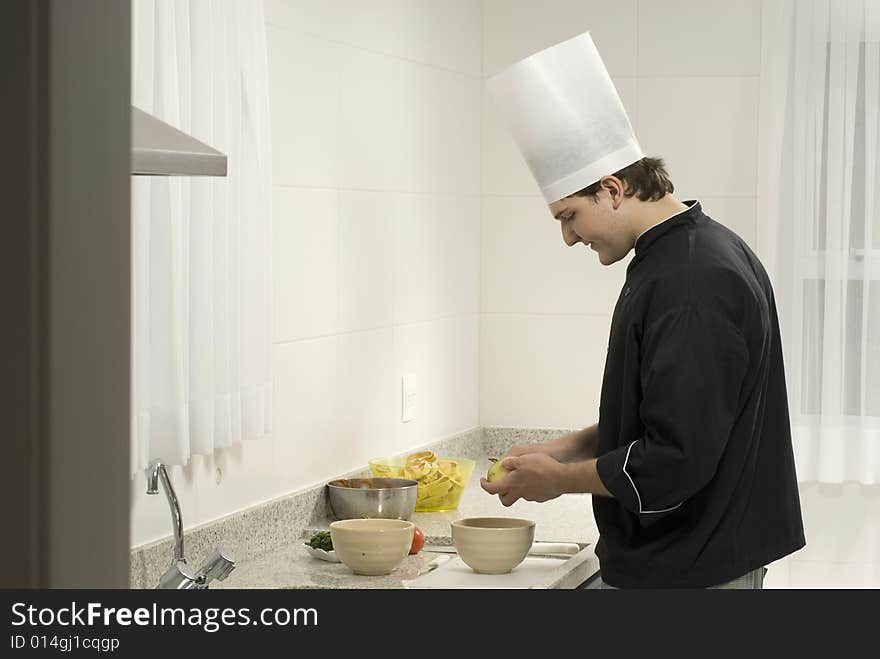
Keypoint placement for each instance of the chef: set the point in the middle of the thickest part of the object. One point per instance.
(690, 465)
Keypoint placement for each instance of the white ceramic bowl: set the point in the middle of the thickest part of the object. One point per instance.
(371, 546)
(492, 545)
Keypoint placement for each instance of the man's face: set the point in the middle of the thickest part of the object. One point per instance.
(595, 224)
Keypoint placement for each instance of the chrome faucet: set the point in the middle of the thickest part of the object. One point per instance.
(179, 575)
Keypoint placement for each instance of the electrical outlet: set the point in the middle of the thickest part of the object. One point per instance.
(408, 398)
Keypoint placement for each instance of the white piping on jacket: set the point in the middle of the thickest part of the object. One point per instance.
(641, 512)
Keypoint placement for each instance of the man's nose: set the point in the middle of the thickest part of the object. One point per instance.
(569, 237)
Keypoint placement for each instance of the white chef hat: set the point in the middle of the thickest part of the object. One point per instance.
(566, 117)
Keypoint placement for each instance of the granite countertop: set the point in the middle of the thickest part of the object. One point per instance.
(568, 518)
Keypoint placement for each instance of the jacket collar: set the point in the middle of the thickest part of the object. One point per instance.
(649, 237)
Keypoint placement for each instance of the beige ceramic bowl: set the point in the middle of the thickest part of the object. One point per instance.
(371, 546)
(493, 545)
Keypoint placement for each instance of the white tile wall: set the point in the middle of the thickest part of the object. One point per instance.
(440, 34)
(305, 262)
(504, 170)
(303, 16)
(305, 76)
(366, 260)
(699, 38)
(223, 476)
(437, 258)
(707, 130)
(514, 29)
(305, 434)
(444, 354)
(376, 113)
(366, 391)
(541, 371)
(407, 127)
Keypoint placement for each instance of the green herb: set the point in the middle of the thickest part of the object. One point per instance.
(321, 540)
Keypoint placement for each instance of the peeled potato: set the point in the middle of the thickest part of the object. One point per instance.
(440, 481)
(420, 465)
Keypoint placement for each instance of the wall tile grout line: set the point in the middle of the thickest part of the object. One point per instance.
(337, 188)
(319, 37)
(393, 326)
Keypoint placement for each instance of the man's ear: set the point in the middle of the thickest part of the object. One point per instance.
(615, 188)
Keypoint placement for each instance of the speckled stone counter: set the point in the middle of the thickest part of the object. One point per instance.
(291, 567)
(568, 518)
(268, 539)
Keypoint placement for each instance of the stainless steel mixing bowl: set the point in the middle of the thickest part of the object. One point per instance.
(390, 498)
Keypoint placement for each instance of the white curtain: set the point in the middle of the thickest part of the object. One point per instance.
(819, 225)
(201, 285)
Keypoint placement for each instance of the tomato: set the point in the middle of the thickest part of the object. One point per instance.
(418, 541)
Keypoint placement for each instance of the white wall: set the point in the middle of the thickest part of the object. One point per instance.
(376, 154)
(687, 71)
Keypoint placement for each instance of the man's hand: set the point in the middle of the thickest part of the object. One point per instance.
(570, 447)
(533, 477)
(525, 449)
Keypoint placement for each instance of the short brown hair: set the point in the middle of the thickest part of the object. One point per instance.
(646, 179)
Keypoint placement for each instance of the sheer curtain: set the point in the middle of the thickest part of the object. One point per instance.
(819, 225)
(201, 246)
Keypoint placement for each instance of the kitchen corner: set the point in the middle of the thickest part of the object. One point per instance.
(267, 540)
(566, 519)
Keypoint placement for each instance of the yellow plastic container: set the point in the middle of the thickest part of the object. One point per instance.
(441, 481)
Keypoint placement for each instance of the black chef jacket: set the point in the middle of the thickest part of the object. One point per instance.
(694, 434)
